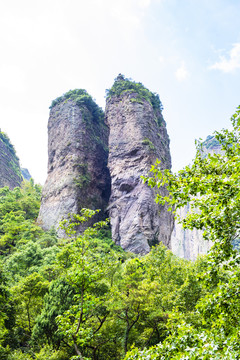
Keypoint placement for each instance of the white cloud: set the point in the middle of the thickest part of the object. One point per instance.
(128, 12)
(231, 63)
(122, 11)
(182, 73)
(161, 59)
(12, 79)
(144, 3)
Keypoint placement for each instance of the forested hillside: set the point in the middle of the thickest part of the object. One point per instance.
(82, 297)
(82, 294)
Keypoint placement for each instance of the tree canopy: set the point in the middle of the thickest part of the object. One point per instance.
(82, 297)
(212, 186)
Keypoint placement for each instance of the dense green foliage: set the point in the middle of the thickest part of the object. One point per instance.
(82, 99)
(17, 209)
(122, 85)
(82, 297)
(212, 186)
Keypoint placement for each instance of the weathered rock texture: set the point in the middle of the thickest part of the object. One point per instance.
(10, 173)
(186, 243)
(77, 162)
(137, 137)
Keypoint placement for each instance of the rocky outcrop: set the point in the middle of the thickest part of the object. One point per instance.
(25, 174)
(137, 137)
(77, 159)
(10, 173)
(211, 146)
(136, 134)
(189, 244)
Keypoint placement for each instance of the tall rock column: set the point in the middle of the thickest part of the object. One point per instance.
(77, 159)
(137, 137)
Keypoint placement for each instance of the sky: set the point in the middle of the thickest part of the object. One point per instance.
(187, 51)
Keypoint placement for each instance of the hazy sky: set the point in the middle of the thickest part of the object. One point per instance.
(188, 51)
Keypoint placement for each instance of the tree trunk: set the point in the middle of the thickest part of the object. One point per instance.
(126, 339)
(77, 349)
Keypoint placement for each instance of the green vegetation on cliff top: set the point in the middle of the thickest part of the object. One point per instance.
(81, 98)
(123, 84)
(5, 139)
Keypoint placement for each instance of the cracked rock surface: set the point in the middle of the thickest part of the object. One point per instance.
(137, 137)
(77, 165)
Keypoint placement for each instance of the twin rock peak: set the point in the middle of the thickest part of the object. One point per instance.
(96, 160)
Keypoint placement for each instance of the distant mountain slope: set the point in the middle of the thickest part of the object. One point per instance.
(25, 174)
(10, 172)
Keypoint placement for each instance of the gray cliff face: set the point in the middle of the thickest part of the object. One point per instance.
(186, 243)
(77, 164)
(137, 137)
(10, 173)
